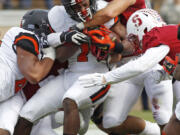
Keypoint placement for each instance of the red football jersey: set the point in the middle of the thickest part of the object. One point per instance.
(140, 4)
(166, 35)
(30, 89)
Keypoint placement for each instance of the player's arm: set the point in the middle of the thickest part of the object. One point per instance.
(31, 67)
(26, 46)
(113, 9)
(150, 58)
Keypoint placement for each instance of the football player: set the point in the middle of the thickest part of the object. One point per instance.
(69, 102)
(121, 8)
(20, 61)
(160, 96)
(145, 29)
(172, 128)
(80, 63)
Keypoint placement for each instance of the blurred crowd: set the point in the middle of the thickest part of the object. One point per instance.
(25, 4)
(162, 6)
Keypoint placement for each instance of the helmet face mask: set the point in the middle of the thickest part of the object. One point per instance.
(80, 10)
(141, 22)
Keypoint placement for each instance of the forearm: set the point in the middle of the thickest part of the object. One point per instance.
(113, 9)
(138, 66)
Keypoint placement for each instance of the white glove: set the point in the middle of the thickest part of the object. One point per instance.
(161, 75)
(54, 39)
(49, 53)
(91, 80)
(80, 26)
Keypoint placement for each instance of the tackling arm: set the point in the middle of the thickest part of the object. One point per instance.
(31, 67)
(113, 9)
(151, 57)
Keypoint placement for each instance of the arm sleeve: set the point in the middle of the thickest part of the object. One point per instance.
(28, 42)
(149, 59)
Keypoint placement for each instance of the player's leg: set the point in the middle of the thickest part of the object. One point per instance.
(46, 100)
(117, 106)
(43, 127)
(81, 99)
(161, 97)
(9, 112)
(7, 83)
(173, 127)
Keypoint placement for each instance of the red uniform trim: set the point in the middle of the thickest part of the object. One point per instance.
(19, 84)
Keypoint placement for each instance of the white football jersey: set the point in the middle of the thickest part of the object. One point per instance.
(7, 54)
(82, 60)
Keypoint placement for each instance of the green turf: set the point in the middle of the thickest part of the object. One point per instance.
(147, 115)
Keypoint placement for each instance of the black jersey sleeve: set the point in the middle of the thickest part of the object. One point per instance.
(28, 42)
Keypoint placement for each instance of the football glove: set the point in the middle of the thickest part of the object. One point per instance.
(91, 80)
(74, 36)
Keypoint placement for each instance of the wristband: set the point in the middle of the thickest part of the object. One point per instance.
(49, 53)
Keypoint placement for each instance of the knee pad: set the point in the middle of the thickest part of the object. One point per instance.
(112, 121)
(177, 111)
(162, 117)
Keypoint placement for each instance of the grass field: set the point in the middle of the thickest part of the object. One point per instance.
(147, 115)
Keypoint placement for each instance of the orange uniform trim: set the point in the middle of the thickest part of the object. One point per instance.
(115, 19)
(101, 93)
(35, 43)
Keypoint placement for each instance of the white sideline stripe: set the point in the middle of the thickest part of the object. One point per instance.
(11, 17)
(91, 131)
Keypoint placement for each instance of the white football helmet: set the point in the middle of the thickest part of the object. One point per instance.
(142, 21)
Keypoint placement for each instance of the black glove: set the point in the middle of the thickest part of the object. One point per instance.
(74, 36)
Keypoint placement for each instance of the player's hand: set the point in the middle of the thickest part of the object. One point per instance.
(79, 27)
(169, 64)
(91, 80)
(49, 53)
(74, 36)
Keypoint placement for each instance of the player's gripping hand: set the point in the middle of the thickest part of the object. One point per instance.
(91, 80)
(169, 64)
(70, 36)
(74, 36)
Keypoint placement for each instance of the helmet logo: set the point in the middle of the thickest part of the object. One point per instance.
(137, 20)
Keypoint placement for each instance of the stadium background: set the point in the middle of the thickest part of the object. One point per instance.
(11, 16)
